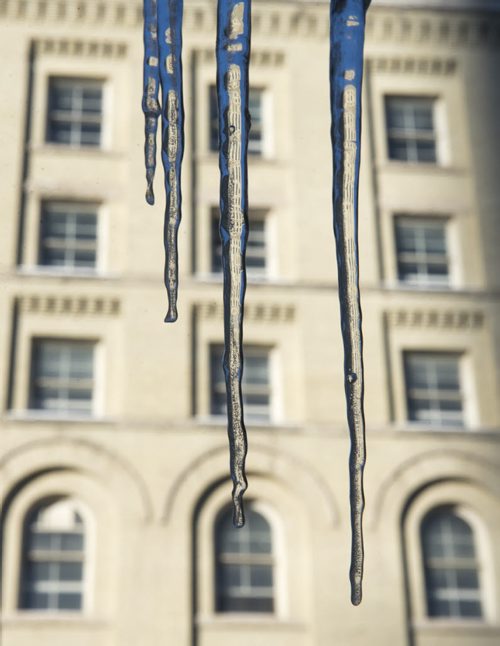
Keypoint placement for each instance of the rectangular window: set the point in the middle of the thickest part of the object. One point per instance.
(255, 106)
(68, 235)
(256, 255)
(62, 376)
(257, 393)
(74, 116)
(421, 248)
(411, 132)
(433, 388)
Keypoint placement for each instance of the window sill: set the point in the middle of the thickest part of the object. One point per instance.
(35, 416)
(66, 273)
(248, 620)
(22, 618)
(220, 421)
(64, 149)
(466, 627)
(425, 167)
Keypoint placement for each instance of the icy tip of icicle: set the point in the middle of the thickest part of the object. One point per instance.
(356, 589)
(150, 196)
(238, 512)
(171, 316)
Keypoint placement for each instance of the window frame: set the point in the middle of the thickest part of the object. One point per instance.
(435, 425)
(50, 555)
(474, 504)
(414, 137)
(66, 414)
(423, 281)
(248, 350)
(262, 150)
(73, 206)
(84, 80)
(267, 559)
(257, 214)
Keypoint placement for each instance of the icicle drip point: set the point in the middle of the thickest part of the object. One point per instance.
(347, 26)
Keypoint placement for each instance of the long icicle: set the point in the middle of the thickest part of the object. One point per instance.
(170, 49)
(233, 57)
(150, 102)
(347, 26)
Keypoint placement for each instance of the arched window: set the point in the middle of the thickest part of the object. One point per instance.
(244, 564)
(52, 575)
(450, 565)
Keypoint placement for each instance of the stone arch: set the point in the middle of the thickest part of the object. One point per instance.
(423, 470)
(211, 468)
(29, 460)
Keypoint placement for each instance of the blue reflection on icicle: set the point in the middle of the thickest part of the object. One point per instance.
(347, 29)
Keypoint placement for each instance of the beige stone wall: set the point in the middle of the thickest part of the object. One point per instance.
(151, 465)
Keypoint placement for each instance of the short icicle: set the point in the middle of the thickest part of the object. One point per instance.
(347, 26)
(233, 56)
(170, 49)
(150, 102)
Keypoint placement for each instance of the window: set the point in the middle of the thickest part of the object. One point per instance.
(256, 383)
(433, 388)
(421, 248)
(256, 255)
(74, 112)
(62, 377)
(255, 106)
(53, 558)
(410, 129)
(244, 564)
(68, 235)
(450, 565)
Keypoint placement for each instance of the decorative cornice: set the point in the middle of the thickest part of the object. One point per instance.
(257, 312)
(260, 57)
(71, 47)
(69, 305)
(278, 19)
(409, 65)
(445, 319)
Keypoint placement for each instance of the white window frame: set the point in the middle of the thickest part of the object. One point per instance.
(73, 207)
(456, 593)
(414, 135)
(54, 557)
(248, 558)
(253, 349)
(256, 150)
(74, 116)
(424, 280)
(68, 413)
(437, 423)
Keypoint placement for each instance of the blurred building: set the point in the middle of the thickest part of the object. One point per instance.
(113, 446)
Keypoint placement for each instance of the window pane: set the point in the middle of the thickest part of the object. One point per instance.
(256, 255)
(256, 384)
(52, 579)
(68, 235)
(421, 250)
(451, 573)
(62, 376)
(74, 115)
(244, 564)
(256, 116)
(410, 129)
(433, 388)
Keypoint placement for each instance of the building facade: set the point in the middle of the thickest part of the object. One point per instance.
(113, 447)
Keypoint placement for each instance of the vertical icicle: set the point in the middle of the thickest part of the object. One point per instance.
(150, 103)
(233, 55)
(347, 25)
(170, 50)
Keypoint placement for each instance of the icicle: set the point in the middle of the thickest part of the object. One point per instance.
(347, 24)
(170, 49)
(150, 103)
(233, 55)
